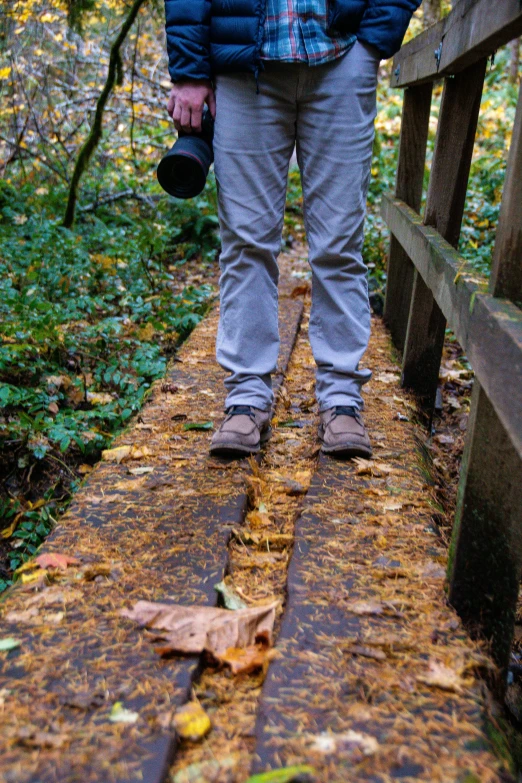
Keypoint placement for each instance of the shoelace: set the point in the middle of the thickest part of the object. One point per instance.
(346, 410)
(240, 410)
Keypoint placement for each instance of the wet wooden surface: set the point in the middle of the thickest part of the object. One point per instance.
(161, 536)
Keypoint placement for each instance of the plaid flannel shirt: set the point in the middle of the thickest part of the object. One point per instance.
(296, 31)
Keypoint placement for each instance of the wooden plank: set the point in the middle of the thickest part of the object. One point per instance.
(489, 329)
(410, 177)
(366, 618)
(486, 551)
(506, 273)
(444, 209)
(163, 537)
(471, 32)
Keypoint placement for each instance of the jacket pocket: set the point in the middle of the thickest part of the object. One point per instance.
(345, 16)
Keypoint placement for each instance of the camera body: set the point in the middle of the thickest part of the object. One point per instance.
(183, 171)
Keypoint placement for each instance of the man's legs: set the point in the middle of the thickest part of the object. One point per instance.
(335, 130)
(253, 143)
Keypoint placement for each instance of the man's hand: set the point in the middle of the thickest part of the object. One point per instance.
(186, 102)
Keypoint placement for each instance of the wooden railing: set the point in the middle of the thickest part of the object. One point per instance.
(430, 287)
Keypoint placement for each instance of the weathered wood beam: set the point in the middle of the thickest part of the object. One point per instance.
(410, 177)
(489, 329)
(472, 31)
(506, 274)
(486, 548)
(486, 562)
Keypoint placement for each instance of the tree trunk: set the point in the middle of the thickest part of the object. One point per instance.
(514, 48)
(95, 133)
(432, 10)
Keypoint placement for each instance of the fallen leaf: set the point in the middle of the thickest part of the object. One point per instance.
(364, 744)
(230, 598)
(441, 676)
(124, 453)
(194, 425)
(365, 607)
(99, 398)
(293, 488)
(8, 643)
(119, 714)
(84, 700)
(368, 652)
(139, 471)
(300, 290)
(24, 616)
(244, 661)
(32, 738)
(197, 628)
(444, 440)
(7, 532)
(206, 771)
(192, 722)
(116, 455)
(53, 596)
(302, 772)
(392, 506)
(35, 576)
(56, 560)
(91, 571)
(387, 377)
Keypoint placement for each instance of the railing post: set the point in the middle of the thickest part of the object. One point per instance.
(410, 176)
(444, 210)
(486, 556)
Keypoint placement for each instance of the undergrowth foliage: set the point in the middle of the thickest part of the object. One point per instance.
(88, 320)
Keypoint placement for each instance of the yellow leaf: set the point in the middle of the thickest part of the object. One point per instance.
(116, 455)
(34, 577)
(192, 722)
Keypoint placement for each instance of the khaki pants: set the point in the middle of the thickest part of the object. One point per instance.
(327, 111)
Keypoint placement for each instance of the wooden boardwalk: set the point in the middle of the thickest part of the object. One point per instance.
(375, 679)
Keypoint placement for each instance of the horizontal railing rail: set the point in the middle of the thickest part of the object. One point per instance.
(473, 30)
(489, 329)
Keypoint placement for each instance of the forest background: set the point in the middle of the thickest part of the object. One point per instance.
(101, 274)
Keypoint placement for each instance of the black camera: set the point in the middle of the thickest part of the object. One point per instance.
(183, 171)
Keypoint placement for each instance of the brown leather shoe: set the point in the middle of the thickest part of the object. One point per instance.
(343, 434)
(243, 431)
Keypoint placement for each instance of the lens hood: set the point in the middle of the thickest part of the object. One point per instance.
(183, 171)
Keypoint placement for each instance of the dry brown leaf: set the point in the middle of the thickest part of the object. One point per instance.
(365, 607)
(441, 676)
(32, 738)
(368, 652)
(387, 377)
(24, 616)
(244, 661)
(53, 596)
(56, 560)
(192, 629)
(91, 571)
(124, 453)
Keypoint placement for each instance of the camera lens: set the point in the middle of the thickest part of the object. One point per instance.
(184, 169)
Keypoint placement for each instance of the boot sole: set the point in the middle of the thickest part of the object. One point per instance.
(347, 452)
(237, 450)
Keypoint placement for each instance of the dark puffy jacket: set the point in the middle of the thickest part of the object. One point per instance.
(205, 37)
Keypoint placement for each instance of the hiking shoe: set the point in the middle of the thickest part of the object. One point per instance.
(343, 434)
(243, 431)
